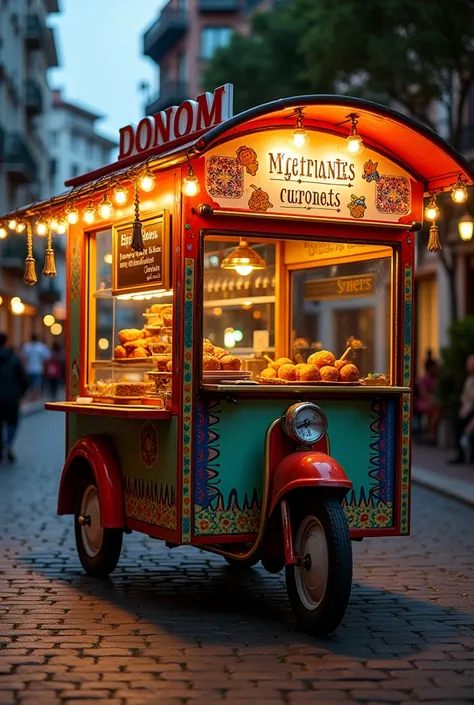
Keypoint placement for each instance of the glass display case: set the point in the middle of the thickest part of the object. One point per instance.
(130, 336)
(308, 312)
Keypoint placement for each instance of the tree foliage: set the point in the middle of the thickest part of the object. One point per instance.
(404, 53)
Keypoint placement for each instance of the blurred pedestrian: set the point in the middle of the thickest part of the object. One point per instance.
(53, 371)
(13, 385)
(426, 401)
(35, 354)
(466, 413)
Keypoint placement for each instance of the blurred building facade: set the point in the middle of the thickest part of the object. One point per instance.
(184, 38)
(27, 51)
(76, 146)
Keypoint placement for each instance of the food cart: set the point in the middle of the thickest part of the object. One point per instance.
(239, 339)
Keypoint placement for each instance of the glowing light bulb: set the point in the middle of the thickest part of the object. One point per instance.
(105, 208)
(3, 232)
(89, 214)
(20, 226)
(54, 223)
(300, 137)
(432, 210)
(466, 227)
(61, 227)
(49, 320)
(108, 258)
(72, 215)
(147, 181)
(354, 144)
(191, 183)
(41, 227)
(12, 224)
(244, 270)
(17, 306)
(56, 329)
(459, 193)
(120, 195)
(103, 344)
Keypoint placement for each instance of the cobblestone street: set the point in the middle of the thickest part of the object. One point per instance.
(180, 626)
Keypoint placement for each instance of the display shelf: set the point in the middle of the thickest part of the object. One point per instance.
(140, 364)
(282, 389)
(222, 303)
(126, 412)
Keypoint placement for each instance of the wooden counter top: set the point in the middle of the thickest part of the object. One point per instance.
(282, 389)
(113, 410)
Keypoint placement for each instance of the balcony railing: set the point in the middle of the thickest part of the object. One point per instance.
(165, 33)
(171, 93)
(18, 160)
(34, 34)
(33, 97)
(218, 5)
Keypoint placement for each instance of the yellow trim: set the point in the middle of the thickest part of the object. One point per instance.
(313, 219)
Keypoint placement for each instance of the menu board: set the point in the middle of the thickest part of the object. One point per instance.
(146, 270)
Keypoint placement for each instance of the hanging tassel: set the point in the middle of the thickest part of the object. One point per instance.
(29, 276)
(137, 234)
(49, 269)
(434, 244)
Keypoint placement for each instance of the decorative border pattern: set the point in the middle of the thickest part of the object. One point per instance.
(187, 399)
(145, 502)
(206, 469)
(405, 466)
(223, 522)
(407, 323)
(368, 516)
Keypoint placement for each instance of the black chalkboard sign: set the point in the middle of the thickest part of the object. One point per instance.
(147, 270)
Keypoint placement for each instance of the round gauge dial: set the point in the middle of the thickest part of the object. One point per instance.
(305, 423)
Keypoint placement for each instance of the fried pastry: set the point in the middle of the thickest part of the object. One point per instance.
(322, 358)
(339, 364)
(287, 372)
(219, 352)
(138, 352)
(309, 373)
(128, 334)
(139, 343)
(209, 362)
(269, 373)
(349, 373)
(282, 361)
(145, 333)
(207, 346)
(169, 366)
(230, 362)
(329, 373)
(299, 367)
(120, 352)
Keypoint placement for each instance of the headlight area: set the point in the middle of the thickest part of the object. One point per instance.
(305, 422)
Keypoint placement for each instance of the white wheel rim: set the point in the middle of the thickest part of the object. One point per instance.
(92, 533)
(312, 549)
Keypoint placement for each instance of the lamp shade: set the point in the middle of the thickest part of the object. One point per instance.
(243, 259)
(466, 227)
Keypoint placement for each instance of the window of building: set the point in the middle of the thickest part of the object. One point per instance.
(213, 38)
(54, 139)
(182, 69)
(74, 170)
(74, 141)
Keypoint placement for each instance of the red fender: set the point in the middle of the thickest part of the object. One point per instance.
(97, 452)
(306, 469)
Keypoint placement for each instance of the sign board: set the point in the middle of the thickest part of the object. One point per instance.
(142, 271)
(318, 253)
(264, 173)
(190, 118)
(340, 287)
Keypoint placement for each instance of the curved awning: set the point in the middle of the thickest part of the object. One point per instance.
(415, 147)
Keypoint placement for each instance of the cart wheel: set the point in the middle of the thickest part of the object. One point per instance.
(242, 565)
(273, 564)
(98, 548)
(319, 588)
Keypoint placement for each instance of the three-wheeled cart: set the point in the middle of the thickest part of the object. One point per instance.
(239, 339)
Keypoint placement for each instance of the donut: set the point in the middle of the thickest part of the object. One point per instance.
(299, 367)
(269, 373)
(209, 362)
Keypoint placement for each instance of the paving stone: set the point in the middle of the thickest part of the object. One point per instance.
(179, 627)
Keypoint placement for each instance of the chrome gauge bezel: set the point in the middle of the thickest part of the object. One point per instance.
(289, 421)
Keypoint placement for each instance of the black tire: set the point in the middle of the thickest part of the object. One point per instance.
(99, 557)
(242, 565)
(273, 564)
(319, 606)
